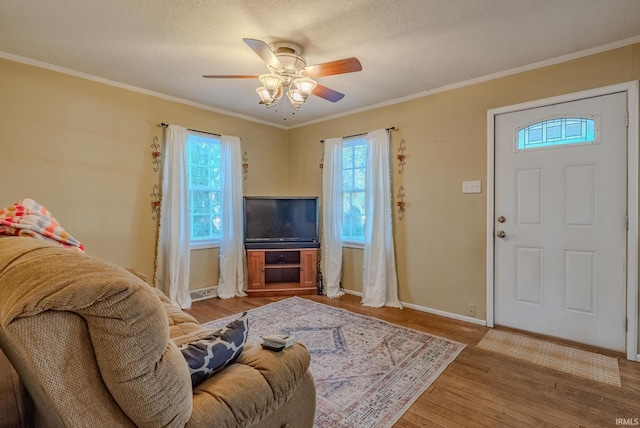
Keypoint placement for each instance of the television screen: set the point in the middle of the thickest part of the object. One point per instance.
(280, 219)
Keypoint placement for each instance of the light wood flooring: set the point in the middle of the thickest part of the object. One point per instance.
(482, 389)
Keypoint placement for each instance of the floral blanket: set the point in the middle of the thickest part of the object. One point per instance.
(29, 218)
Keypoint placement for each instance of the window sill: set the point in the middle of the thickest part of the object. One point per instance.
(359, 245)
(203, 245)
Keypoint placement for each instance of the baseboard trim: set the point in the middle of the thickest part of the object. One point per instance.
(432, 311)
(204, 293)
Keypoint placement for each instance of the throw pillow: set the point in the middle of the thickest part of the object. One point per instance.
(212, 353)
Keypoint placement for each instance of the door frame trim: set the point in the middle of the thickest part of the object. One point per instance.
(631, 90)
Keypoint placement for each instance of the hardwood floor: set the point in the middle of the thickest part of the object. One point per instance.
(482, 389)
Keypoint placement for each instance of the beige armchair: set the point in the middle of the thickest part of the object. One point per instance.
(95, 346)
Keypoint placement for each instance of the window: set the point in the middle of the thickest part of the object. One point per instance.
(203, 169)
(557, 132)
(354, 172)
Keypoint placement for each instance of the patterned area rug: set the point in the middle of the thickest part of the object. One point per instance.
(578, 362)
(367, 372)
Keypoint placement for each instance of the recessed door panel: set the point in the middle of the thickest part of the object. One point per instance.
(580, 195)
(528, 278)
(529, 197)
(580, 281)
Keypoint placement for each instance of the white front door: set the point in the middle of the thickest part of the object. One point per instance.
(560, 220)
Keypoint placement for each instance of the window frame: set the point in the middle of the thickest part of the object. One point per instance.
(200, 244)
(350, 143)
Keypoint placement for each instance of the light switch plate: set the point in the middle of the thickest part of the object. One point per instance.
(472, 186)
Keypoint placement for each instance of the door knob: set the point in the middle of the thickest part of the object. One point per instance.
(501, 219)
(501, 234)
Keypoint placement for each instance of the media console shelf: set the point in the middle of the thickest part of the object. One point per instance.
(281, 272)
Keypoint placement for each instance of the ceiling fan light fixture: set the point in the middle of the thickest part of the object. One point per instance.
(272, 83)
(296, 96)
(265, 98)
(304, 86)
(295, 99)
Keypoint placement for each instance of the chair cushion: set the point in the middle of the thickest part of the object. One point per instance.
(213, 352)
(250, 389)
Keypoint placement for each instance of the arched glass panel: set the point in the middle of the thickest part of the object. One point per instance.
(557, 132)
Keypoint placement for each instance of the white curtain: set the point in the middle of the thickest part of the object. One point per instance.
(332, 217)
(231, 281)
(380, 283)
(172, 267)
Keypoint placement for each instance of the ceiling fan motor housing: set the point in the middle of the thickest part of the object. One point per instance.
(289, 55)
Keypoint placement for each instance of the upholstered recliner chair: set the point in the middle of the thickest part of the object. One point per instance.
(95, 346)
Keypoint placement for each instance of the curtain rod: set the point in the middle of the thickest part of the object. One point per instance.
(364, 133)
(164, 125)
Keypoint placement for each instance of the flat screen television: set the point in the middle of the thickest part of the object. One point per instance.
(280, 221)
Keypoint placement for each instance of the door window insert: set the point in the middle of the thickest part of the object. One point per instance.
(556, 132)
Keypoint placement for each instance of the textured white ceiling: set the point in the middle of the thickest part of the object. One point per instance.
(406, 47)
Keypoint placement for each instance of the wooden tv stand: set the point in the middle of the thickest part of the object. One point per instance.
(281, 272)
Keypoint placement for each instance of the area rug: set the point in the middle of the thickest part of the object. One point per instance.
(367, 372)
(577, 362)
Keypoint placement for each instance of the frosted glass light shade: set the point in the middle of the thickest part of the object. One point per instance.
(266, 98)
(295, 99)
(296, 96)
(304, 86)
(264, 95)
(271, 82)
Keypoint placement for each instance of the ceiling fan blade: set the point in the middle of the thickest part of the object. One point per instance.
(264, 51)
(229, 76)
(346, 65)
(327, 93)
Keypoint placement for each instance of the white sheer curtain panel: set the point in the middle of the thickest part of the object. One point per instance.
(231, 281)
(332, 217)
(380, 283)
(174, 251)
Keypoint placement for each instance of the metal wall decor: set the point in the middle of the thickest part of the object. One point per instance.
(401, 157)
(245, 165)
(156, 154)
(155, 202)
(155, 193)
(400, 203)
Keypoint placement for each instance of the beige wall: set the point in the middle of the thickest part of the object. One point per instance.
(440, 243)
(83, 150)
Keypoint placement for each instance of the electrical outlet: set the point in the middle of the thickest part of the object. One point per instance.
(471, 309)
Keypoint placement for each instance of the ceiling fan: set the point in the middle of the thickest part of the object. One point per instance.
(289, 73)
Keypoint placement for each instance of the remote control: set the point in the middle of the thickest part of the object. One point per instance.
(279, 339)
(272, 347)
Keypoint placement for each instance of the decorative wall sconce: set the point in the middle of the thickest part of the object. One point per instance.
(401, 156)
(245, 165)
(156, 154)
(155, 202)
(400, 203)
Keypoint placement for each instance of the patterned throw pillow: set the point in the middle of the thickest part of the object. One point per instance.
(215, 351)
